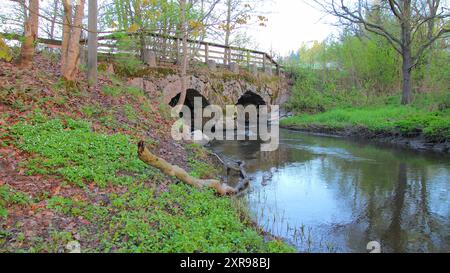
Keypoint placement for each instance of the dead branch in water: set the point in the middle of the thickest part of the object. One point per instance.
(147, 157)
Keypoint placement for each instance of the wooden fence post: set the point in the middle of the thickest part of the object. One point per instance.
(264, 62)
(248, 59)
(177, 56)
(92, 44)
(206, 53)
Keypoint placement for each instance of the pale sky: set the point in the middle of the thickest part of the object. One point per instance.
(291, 22)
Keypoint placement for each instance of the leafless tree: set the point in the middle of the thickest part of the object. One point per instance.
(52, 10)
(402, 24)
(92, 43)
(70, 48)
(237, 14)
(185, 55)
(31, 34)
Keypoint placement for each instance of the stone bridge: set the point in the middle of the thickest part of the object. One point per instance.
(221, 75)
(219, 87)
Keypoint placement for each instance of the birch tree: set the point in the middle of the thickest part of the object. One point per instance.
(31, 34)
(70, 49)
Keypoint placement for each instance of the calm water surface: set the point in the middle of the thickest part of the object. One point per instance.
(326, 194)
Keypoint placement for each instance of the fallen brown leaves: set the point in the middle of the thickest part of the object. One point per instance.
(22, 92)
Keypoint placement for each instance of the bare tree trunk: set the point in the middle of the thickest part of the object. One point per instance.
(71, 40)
(406, 53)
(92, 44)
(67, 29)
(185, 56)
(406, 72)
(433, 5)
(143, 47)
(54, 17)
(31, 32)
(227, 33)
(147, 157)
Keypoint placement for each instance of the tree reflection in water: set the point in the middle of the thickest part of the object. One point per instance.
(347, 193)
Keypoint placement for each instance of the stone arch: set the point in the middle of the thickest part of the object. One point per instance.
(191, 94)
(251, 98)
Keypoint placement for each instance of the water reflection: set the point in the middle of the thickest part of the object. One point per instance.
(330, 194)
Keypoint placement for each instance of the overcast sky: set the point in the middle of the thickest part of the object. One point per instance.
(291, 22)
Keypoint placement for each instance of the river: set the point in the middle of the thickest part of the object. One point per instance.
(329, 194)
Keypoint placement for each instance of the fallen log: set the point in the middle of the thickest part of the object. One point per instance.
(147, 157)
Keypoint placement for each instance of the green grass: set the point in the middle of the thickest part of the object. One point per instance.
(116, 91)
(202, 170)
(91, 111)
(405, 119)
(137, 219)
(69, 148)
(181, 220)
(9, 197)
(130, 113)
(196, 162)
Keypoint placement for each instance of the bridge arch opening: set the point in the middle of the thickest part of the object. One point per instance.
(250, 98)
(247, 99)
(191, 94)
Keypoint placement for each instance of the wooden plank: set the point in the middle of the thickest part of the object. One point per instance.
(209, 48)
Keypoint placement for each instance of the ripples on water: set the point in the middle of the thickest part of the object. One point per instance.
(326, 194)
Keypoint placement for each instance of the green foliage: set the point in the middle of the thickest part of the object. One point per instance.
(69, 148)
(126, 64)
(5, 52)
(182, 220)
(198, 155)
(432, 74)
(91, 110)
(312, 95)
(10, 197)
(130, 113)
(116, 91)
(408, 120)
(196, 150)
(356, 71)
(368, 64)
(202, 170)
(164, 110)
(75, 208)
(354, 81)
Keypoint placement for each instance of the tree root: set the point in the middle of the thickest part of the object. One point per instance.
(147, 157)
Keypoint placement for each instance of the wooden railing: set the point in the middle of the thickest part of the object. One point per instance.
(168, 49)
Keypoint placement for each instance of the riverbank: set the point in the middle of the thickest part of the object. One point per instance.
(69, 171)
(402, 125)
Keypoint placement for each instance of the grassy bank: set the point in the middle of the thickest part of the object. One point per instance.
(407, 121)
(70, 172)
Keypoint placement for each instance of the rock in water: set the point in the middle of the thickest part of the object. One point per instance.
(199, 138)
